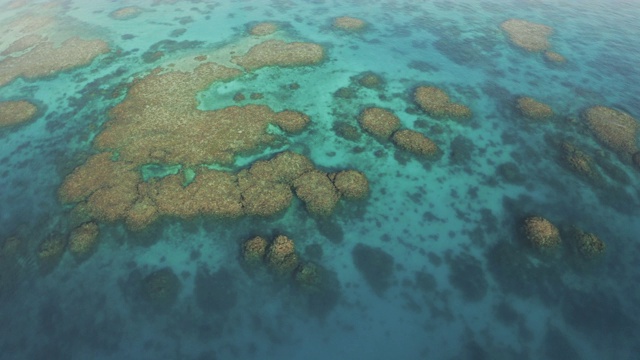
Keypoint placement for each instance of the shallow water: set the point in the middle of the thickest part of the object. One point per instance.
(433, 264)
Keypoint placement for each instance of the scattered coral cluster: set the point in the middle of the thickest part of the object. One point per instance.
(554, 57)
(370, 80)
(379, 122)
(348, 23)
(126, 13)
(16, 112)
(580, 163)
(263, 29)
(532, 37)
(83, 240)
(614, 128)
(50, 252)
(384, 125)
(280, 53)
(541, 233)
(280, 255)
(527, 35)
(545, 237)
(161, 288)
(533, 109)
(81, 243)
(320, 286)
(588, 245)
(415, 142)
(437, 104)
(30, 51)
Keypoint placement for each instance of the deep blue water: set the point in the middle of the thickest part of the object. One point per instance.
(448, 274)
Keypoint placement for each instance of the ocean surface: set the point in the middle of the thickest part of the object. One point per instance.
(435, 263)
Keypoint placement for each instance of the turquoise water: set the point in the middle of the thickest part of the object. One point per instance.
(455, 279)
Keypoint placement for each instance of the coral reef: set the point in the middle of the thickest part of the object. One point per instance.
(541, 233)
(280, 53)
(292, 122)
(158, 124)
(46, 59)
(349, 23)
(588, 245)
(263, 198)
(346, 131)
(284, 168)
(113, 190)
(416, 143)
(83, 241)
(370, 80)
(614, 128)
(126, 13)
(436, 103)
(281, 256)
(98, 172)
(24, 43)
(192, 141)
(307, 276)
(317, 191)
(527, 35)
(254, 250)
(533, 109)
(42, 41)
(352, 184)
(16, 112)
(161, 288)
(580, 163)
(510, 172)
(50, 252)
(263, 29)
(141, 214)
(554, 57)
(379, 122)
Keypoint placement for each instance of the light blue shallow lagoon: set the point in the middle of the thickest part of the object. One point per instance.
(139, 149)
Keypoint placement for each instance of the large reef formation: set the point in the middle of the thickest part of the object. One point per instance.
(435, 102)
(159, 123)
(614, 128)
(42, 42)
(16, 112)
